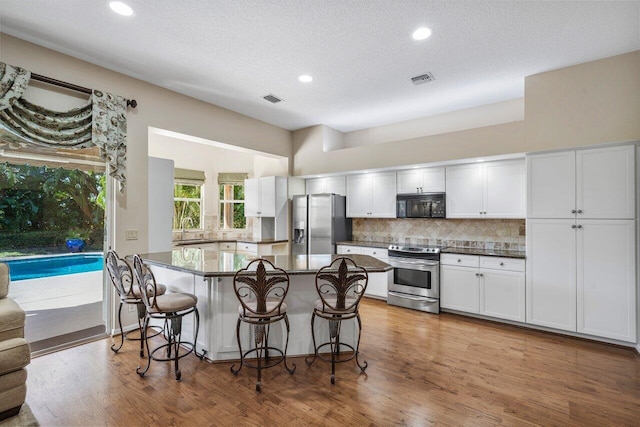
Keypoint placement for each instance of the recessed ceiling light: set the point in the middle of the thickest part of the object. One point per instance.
(422, 33)
(305, 78)
(121, 8)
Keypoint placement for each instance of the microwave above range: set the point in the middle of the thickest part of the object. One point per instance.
(422, 205)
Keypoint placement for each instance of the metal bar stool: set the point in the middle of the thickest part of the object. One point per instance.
(340, 292)
(261, 295)
(171, 308)
(122, 279)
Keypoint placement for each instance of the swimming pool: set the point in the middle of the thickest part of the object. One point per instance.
(47, 266)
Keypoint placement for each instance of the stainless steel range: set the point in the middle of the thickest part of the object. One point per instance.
(416, 277)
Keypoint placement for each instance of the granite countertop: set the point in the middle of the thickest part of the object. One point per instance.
(263, 241)
(485, 252)
(380, 245)
(189, 242)
(213, 263)
(446, 250)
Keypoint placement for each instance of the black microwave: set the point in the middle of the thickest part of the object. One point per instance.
(422, 205)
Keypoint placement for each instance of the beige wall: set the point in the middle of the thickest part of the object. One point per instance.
(593, 103)
(158, 108)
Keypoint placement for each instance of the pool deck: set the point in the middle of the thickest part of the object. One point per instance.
(59, 305)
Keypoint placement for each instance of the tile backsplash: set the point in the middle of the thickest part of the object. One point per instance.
(505, 234)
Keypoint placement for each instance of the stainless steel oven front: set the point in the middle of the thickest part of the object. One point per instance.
(416, 278)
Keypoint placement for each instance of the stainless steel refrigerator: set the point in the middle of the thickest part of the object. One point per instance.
(319, 221)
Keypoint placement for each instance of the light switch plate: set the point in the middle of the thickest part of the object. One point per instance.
(132, 234)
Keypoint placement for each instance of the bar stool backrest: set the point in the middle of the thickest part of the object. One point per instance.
(260, 290)
(146, 283)
(341, 284)
(121, 275)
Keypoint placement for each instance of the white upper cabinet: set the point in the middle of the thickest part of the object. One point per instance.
(425, 180)
(464, 191)
(371, 195)
(591, 184)
(331, 184)
(605, 185)
(486, 190)
(504, 189)
(551, 185)
(265, 197)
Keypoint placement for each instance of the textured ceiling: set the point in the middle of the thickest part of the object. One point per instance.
(360, 52)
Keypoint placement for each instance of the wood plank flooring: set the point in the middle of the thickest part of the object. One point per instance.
(424, 369)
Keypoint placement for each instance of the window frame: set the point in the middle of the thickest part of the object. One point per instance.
(223, 202)
(199, 200)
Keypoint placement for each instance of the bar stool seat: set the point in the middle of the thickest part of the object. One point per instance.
(271, 310)
(172, 302)
(261, 294)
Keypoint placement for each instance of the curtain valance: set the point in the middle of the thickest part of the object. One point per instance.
(100, 122)
(232, 178)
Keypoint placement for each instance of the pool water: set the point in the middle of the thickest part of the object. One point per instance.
(36, 267)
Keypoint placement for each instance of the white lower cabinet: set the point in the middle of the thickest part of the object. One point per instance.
(491, 286)
(348, 249)
(459, 288)
(377, 288)
(502, 294)
(581, 276)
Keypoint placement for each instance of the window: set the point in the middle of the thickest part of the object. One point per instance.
(231, 196)
(187, 205)
(232, 206)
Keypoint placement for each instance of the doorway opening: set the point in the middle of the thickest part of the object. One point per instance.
(52, 234)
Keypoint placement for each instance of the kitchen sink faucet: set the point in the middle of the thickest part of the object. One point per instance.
(182, 223)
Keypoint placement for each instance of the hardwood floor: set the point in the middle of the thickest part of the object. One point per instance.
(423, 369)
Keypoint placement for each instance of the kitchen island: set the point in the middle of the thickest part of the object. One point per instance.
(208, 274)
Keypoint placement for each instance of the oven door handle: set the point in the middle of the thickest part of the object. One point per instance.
(419, 263)
(412, 298)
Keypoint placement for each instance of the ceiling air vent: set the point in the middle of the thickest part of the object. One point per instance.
(272, 98)
(422, 78)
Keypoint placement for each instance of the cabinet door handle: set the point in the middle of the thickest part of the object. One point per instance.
(502, 263)
(573, 211)
(459, 260)
(417, 189)
(579, 226)
(573, 226)
(477, 274)
(579, 210)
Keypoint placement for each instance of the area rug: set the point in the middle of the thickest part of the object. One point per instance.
(24, 419)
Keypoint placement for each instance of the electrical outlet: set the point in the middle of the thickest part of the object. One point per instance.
(132, 234)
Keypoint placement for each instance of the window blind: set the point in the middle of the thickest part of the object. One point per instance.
(232, 178)
(192, 176)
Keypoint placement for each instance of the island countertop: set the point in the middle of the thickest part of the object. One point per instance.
(213, 263)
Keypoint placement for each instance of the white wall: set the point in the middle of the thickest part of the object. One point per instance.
(213, 160)
(158, 108)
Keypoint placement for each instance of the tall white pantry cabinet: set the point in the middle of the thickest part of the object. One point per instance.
(581, 241)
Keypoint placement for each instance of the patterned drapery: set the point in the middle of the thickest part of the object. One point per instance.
(100, 122)
(109, 131)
